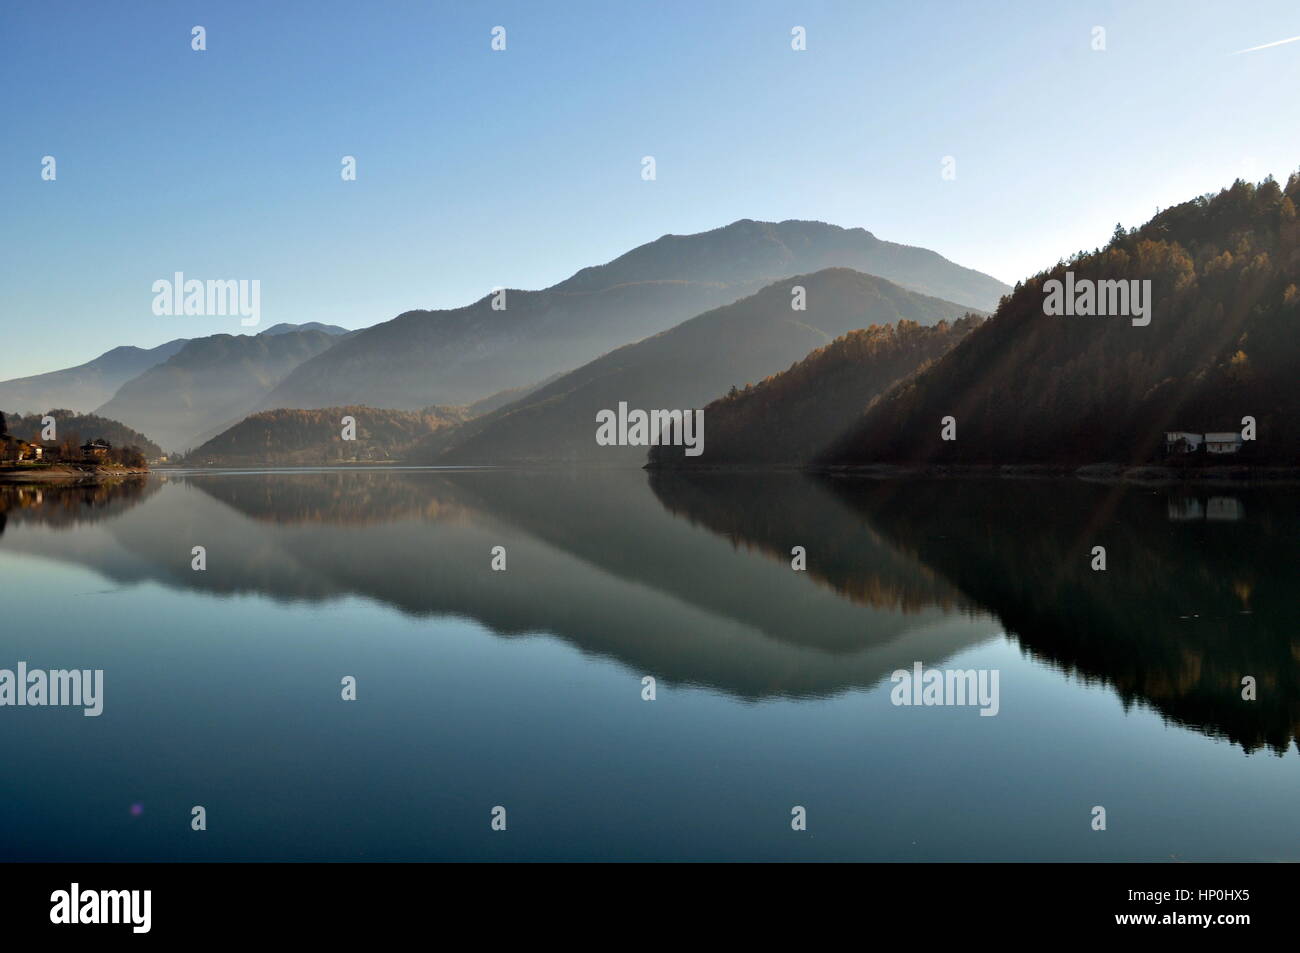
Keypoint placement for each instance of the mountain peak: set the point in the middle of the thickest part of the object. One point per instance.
(748, 250)
(286, 328)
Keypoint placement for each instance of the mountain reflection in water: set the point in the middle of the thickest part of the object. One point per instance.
(688, 576)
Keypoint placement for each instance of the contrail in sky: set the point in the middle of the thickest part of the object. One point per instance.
(1267, 45)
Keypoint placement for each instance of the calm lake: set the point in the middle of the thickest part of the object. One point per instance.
(524, 689)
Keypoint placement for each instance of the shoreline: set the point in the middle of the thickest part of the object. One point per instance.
(66, 473)
(1147, 474)
(1150, 474)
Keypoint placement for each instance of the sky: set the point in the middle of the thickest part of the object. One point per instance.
(479, 168)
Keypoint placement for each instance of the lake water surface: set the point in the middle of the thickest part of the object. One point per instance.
(524, 688)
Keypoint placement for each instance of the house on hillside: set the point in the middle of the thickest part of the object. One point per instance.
(1222, 442)
(95, 450)
(16, 450)
(1180, 441)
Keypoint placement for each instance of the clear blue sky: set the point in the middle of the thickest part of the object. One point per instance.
(478, 168)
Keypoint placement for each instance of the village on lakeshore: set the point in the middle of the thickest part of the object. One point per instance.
(97, 453)
(1184, 442)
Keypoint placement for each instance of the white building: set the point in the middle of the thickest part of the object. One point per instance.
(1185, 508)
(1222, 442)
(1223, 508)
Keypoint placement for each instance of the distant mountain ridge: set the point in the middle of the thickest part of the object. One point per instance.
(209, 383)
(685, 367)
(462, 355)
(94, 383)
(285, 328)
(85, 386)
(747, 249)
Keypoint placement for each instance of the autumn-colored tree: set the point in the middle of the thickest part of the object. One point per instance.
(1028, 387)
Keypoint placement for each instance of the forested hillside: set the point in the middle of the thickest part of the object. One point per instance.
(788, 417)
(73, 429)
(315, 437)
(1222, 344)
